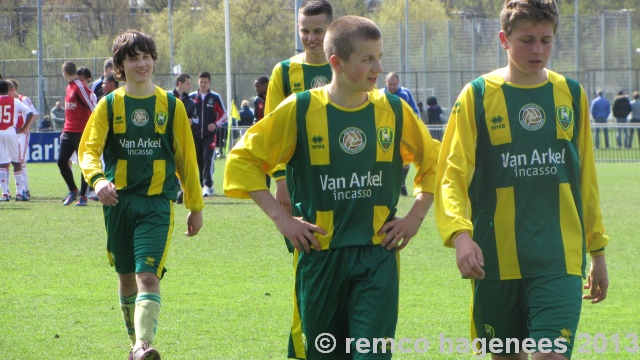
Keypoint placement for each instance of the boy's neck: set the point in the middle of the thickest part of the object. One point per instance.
(345, 97)
(314, 59)
(140, 90)
(515, 77)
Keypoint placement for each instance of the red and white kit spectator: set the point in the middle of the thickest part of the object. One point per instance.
(79, 104)
(10, 126)
(23, 139)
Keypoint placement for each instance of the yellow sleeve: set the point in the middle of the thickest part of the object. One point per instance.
(186, 162)
(594, 229)
(275, 95)
(275, 90)
(417, 146)
(269, 142)
(92, 144)
(456, 165)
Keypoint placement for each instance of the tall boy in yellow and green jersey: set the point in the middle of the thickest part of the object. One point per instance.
(347, 170)
(523, 158)
(292, 76)
(531, 177)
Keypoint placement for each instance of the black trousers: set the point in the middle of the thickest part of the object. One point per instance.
(69, 143)
(204, 154)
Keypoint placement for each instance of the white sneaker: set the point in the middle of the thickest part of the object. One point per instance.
(207, 191)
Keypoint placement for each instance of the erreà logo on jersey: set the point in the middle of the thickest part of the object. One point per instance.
(139, 117)
(385, 137)
(352, 140)
(319, 81)
(564, 115)
(532, 117)
(161, 118)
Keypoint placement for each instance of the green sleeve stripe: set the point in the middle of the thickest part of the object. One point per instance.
(285, 77)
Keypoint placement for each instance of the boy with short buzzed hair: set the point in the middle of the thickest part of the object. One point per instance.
(346, 144)
(143, 133)
(517, 193)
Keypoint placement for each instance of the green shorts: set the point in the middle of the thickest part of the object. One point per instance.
(139, 232)
(545, 309)
(347, 292)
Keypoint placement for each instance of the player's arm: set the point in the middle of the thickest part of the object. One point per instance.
(275, 90)
(90, 149)
(20, 107)
(598, 279)
(187, 168)
(456, 164)
(32, 108)
(299, 232)
(26, 124)
(266, 144)
(219, 110)
(84, 97)
(417, 147)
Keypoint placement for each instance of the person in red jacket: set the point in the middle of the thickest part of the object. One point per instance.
(79, 104)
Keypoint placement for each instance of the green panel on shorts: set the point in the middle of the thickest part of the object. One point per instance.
(546, 307)
(139, 232)
(349, 292)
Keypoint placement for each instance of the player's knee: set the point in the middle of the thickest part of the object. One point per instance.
(147, 281)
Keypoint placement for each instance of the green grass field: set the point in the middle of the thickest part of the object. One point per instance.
(227, 294)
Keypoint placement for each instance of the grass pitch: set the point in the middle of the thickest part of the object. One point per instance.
(227, 294)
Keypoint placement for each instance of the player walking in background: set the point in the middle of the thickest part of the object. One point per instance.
(181, 91)
(392, 86)
(11, 124)
(211, 115)
(98, 86)
(145, 134)
(600, 110)
(307, 70)
(346, 143)
(517, 193)
(261, 85)
(23, 137)
(78, 107)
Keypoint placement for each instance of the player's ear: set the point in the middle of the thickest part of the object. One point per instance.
(503, 39)
(335, 62)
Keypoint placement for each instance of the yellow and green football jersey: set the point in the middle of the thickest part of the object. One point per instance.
(517, 172)
(145, 143)
(292, 76)
(346, 164)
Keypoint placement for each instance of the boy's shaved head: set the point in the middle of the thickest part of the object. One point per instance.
(345, 32)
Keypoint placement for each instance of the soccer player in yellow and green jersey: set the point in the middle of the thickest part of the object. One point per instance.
(346, 144)
(517, 193)
(308, 70)
(144, 136)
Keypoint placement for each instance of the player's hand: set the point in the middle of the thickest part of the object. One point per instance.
(300, 233)
(598, 280)
(211, 127)
(106, 192)
(282, 195)
(194, 223)
(469, 257)
(399, 229)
